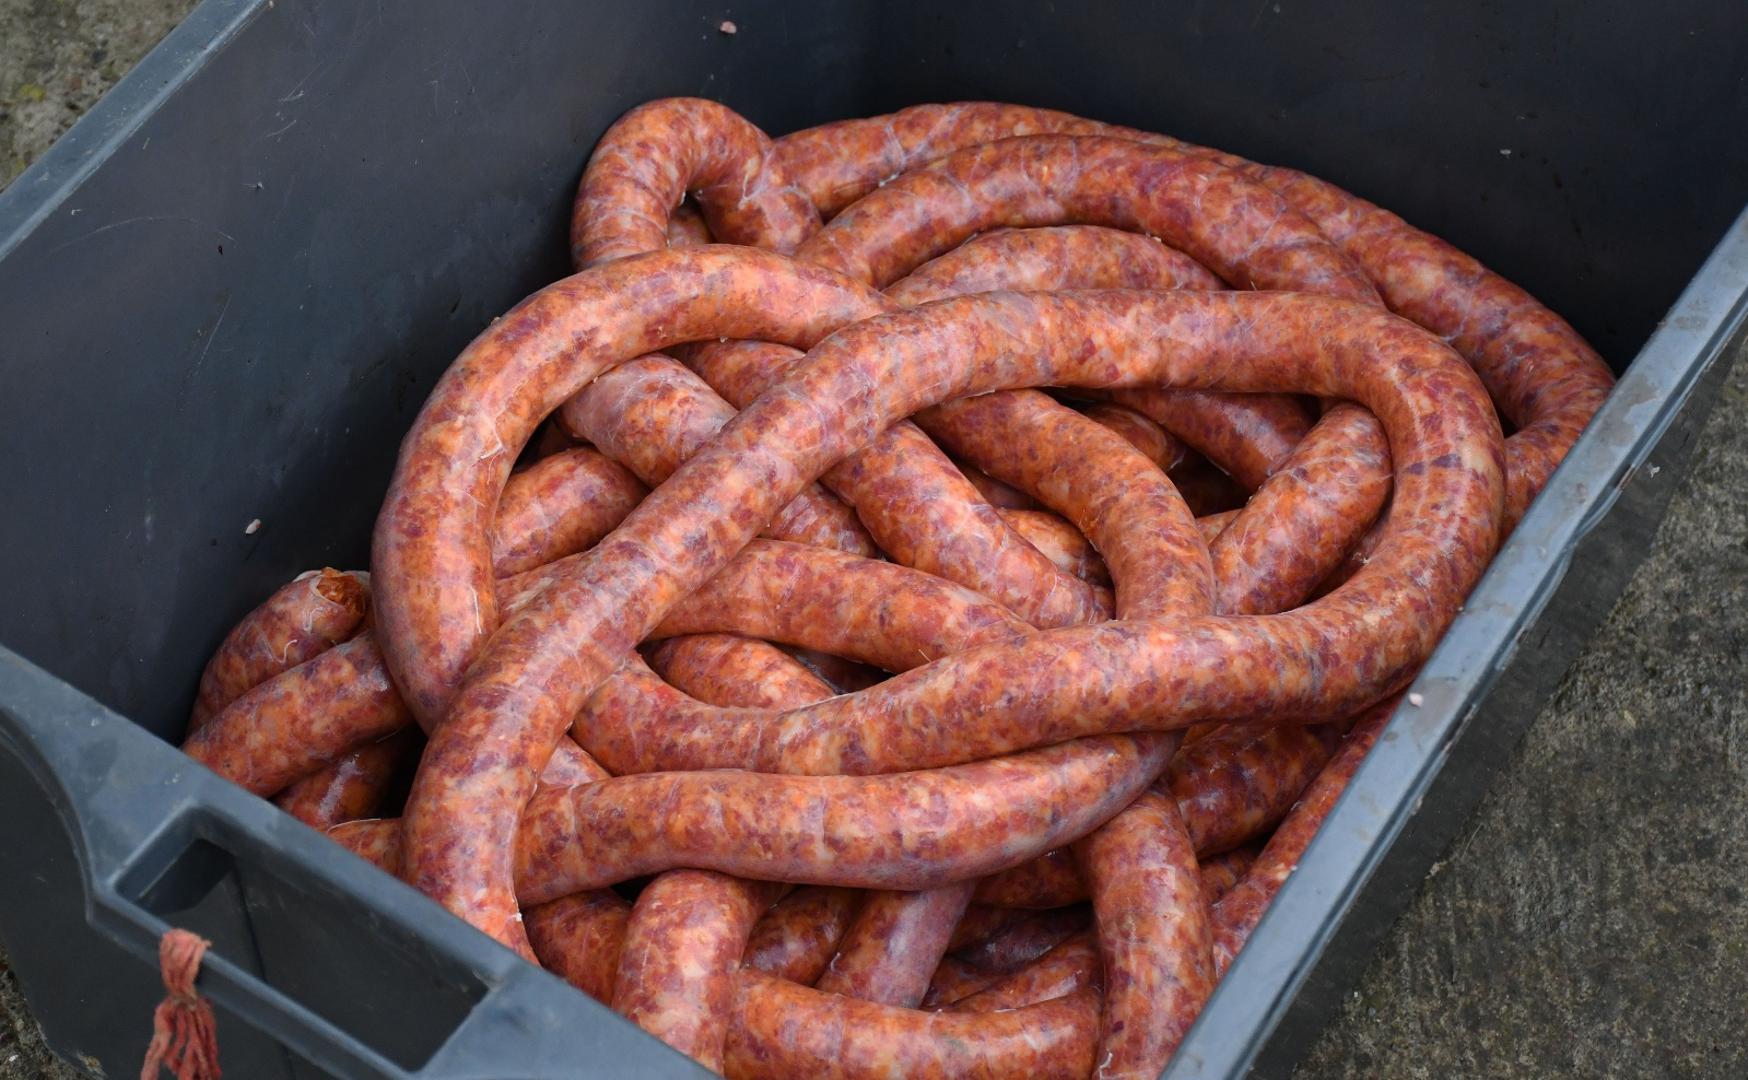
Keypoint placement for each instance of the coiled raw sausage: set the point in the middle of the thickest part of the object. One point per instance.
(1449, 453)
(895, 944)
(1546, 379)
(1238, 912)
(799, 935)
(651, 414)
(353, 787)
(782, 1030)
(558, 506)
(690, 928)
(313, 613)
(661, 151)
(1071, 965)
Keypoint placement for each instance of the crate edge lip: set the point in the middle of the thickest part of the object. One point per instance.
(56, 175)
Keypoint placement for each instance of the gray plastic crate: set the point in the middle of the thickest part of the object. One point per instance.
(227, 290)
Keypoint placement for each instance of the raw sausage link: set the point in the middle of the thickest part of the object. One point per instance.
(659, 152)
(302, 720)
(681, 950)
(924, 513)
(545, 660)
(799, 935)
(1246, 443)
(1237, 783)
(1049, 881)
(686, 227)
(651, 414)
(1222, 873)
(1319, 661)
(1545, 378)
(895, 944)
(353, 787)
(1052, 259)
(549, 438)
(1060, 542)
(1152, 926)
(881, 832)
(1026, 940)
(689, 928)
(881, 613)
(742, 370)
(1155, 443)
(996, 493)
(431, 547)
(1212, 525)
(578, 937)
(736, 671)
(1305, 518)
(1153, 935)
(782, 1030)
(712, 667)
(1231, 787)
(431, 537)
(1238, 912)
(919, 506)
(1234, 226)
(844, 676)
(1091, 475)
(1239, 431)
(982, 922)
(558, 506)
(1070, 966)
(375, 840)
(315, 612)
(955, 980)
(878, 613)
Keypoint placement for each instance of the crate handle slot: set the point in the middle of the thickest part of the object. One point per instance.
(163, 842)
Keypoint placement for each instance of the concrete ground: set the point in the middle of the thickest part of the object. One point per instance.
(1590, 921)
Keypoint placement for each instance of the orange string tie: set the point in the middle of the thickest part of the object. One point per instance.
(184, 1039)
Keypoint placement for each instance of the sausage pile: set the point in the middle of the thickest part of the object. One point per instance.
(786, 670)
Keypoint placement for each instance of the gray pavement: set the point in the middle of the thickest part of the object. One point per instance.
(1589, 921)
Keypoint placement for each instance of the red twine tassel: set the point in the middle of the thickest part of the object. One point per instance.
(183, 1035)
